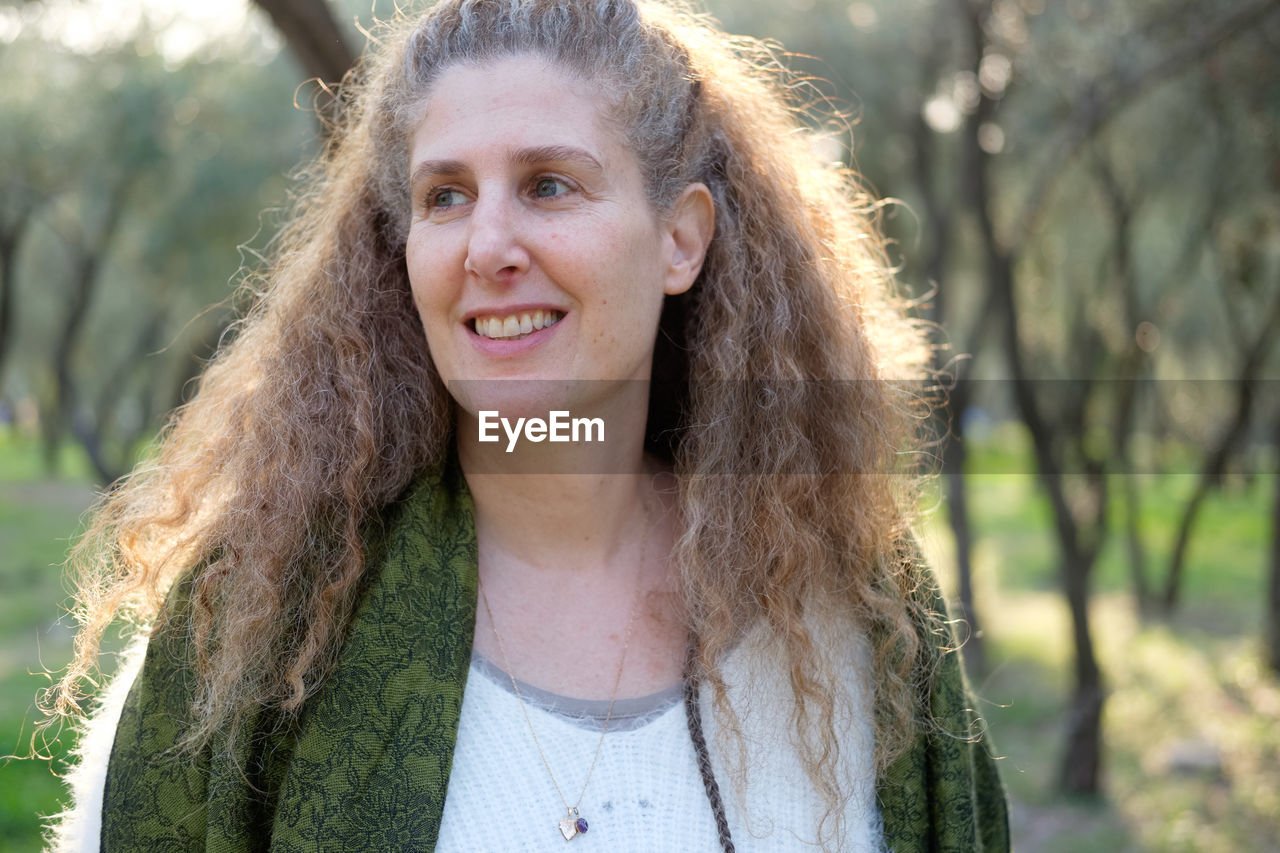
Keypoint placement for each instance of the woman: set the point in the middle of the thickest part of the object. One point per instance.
(415, 620)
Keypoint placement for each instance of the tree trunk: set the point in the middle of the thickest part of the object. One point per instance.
(1081, 764)
(1126, 408)
(23, 203)
(111, 449)
(313, 35)
(9, 243)
(1273, 586)
(89, 433)
(1133, 542)
(953, 461)
(1133, 363)
(54, 423)
(949, 417)
(1081, 768)
(1172, 593)
(1215, 466)
(1080, 771)
(89, 254)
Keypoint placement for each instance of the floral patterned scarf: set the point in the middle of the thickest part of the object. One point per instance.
(366, 764)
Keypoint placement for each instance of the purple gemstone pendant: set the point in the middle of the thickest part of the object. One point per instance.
(581, 824)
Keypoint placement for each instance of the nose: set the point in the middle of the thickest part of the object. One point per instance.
(495, 245)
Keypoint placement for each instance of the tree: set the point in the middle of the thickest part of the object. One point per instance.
(319, 45)
(20, 206)
(1079, 503)
(1014, 220)
(317, 42)
(1272, 615)
(141, 180)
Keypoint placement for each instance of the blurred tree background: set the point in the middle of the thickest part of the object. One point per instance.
(1087, 204)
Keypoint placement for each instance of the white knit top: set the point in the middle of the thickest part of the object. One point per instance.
(646, 793)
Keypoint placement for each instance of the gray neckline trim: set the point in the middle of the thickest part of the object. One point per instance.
(628, 714)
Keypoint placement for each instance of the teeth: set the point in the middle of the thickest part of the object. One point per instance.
(515, 326)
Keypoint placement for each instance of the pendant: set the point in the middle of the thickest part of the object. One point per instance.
(571, 825)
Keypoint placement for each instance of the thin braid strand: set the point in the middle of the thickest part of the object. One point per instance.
(693, 712)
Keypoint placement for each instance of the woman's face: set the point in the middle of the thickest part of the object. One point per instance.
(533, 251)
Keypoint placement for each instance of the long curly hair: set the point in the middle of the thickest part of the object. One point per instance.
(772, 386)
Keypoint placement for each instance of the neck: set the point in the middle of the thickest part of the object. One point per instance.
(560, 506)
(559, 523)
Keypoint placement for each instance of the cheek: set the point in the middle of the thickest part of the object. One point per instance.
(413, 267)
(420, 300)
(432, 317)
(424, 282)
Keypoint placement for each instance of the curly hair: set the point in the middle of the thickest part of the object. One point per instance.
(770, 393)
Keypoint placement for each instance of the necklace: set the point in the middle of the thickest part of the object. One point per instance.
(573, 824)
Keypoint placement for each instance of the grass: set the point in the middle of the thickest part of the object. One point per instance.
(1193, 749)
(39, 517)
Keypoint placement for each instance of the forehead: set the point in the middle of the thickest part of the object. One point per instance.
(514, 102)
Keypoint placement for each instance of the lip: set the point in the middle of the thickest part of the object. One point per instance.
(511, 348)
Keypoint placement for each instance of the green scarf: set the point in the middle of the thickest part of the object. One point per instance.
(366, 764)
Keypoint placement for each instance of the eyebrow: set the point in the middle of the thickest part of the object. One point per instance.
(525, 156)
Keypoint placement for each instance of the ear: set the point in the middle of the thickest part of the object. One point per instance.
(688, 231)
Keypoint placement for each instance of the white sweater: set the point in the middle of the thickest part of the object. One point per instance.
(76, 830)
(645, 794)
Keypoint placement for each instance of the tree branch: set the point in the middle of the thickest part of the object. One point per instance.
(1105, 98)
(312, 33)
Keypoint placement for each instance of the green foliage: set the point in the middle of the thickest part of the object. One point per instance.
(195, 150)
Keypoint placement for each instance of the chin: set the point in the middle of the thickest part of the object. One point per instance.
(515, 397)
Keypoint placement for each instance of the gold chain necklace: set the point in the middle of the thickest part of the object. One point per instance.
(573, 824)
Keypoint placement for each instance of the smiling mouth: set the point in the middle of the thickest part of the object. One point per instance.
(513, 327)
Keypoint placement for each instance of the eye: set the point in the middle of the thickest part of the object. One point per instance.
(445, 197)
(548, 187)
